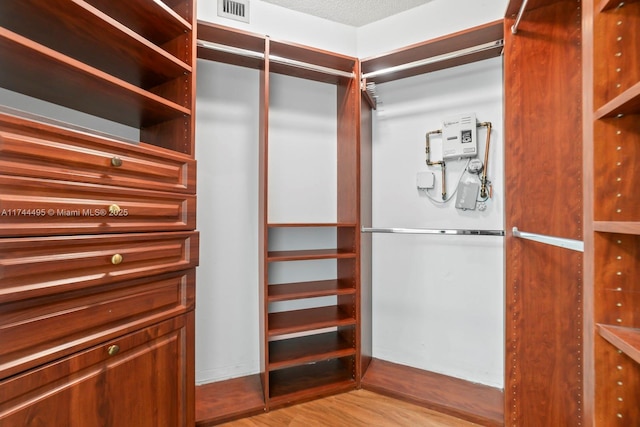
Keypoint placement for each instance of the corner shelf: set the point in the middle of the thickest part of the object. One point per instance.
(624, 339)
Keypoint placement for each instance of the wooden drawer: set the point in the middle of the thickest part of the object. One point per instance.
(40, 330)
(32, 207)
(38, 150)
(39, 266)
(148, 382)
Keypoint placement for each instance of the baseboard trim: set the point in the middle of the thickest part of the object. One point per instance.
(477, 403)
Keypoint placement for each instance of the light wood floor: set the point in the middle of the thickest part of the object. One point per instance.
(359, 408)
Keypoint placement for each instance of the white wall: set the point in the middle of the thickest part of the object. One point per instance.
(284, 24)
(431, 20)
(437, 300)
(227, 340)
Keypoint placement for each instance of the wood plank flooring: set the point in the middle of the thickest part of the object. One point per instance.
(358, 408)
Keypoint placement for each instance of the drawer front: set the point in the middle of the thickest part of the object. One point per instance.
(145, 383)
(37, 150)
(39, 266)
(43, 329)
(32, 207)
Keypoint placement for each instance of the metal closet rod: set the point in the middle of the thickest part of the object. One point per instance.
(561, 242)
(274, 58)
(514, 27)
(435, 59)
(448, 232)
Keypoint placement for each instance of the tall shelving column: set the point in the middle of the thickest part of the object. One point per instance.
(323, 354)
(612, 238)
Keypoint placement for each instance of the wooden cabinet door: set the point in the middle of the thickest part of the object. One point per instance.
(141, 380)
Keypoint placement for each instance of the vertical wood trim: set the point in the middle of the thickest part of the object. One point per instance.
(543, 175)
(263, 229)
(588, 189)
(366, 316)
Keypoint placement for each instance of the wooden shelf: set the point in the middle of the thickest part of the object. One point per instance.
(309, 255)
(628, 102)
(439, 46)
(288, 322)
(310, 381)
(315, 289)
(309, 224)
(142, 16)
(617, 227)
(611, 4)
(308, 349)
(625, 339)
(80, 31)
(26, 64)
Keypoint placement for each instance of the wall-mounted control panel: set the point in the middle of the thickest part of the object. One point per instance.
(459, 136)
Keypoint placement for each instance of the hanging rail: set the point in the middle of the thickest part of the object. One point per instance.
(574, 245)
(514, 27)
(273, 58)
(230, 49)
(435, 59)
(449, 232)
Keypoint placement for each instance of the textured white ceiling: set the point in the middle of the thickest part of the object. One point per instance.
(351, 12)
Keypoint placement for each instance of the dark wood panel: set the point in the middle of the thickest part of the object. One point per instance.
(617, 382)
(223, 401)
(310, 55)
(40, 330)
(32, 267)
(616, 39)
(288, 322)
(543, 194)
(474, 402)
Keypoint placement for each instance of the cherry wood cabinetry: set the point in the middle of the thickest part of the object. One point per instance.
(97, 232)
(612, 211)
(543, 175)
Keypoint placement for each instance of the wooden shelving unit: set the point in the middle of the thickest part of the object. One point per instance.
(137, 76)
(98, 231)
(612, 235)
(312, 351)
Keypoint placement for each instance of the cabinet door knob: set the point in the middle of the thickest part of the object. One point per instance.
(116, 161)
(114, 209)
(113, 350)
(116, 259)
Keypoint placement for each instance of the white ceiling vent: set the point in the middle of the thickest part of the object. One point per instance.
(234, 9)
